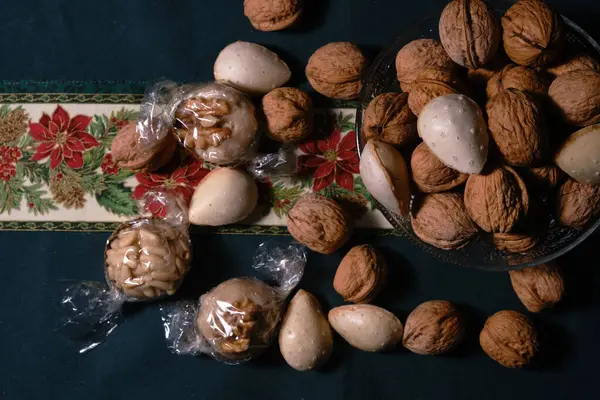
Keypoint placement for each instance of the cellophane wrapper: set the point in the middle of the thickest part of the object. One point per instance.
(145, 259)
(238, 319)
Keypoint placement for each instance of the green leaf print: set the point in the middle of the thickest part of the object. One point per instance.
(117, 199)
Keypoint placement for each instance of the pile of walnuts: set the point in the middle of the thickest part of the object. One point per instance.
(521, 74)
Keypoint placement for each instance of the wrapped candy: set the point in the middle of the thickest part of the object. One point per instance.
(145, 259)
(238, 319)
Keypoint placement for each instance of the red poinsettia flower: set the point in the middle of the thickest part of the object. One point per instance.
(119, 123)
(181, 182)
(108, 166)
(8, 162)
(62, 138)
(330, 159)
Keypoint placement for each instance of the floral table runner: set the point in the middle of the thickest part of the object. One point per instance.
(57, 173)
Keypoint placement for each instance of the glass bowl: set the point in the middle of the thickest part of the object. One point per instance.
(480, 253)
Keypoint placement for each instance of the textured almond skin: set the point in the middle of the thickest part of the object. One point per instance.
(319, 223)
(515, 242)
(577, 204)
(361, 275)
(418, 55)
(518, 127)
(272, 15)
(509, 338)
(577, 95)
(469, 32)
(533, 33)
(497, 199)
(336, 70)
(518, 77)
(128, 152)
(441, 220)
(289, 114)
(430, 174)
(575, 63)
(429, 84)
(432, 328)
(538, 287)
(389, 119)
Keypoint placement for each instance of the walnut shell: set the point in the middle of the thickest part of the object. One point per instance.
(577, 204)
(389, 119)
(575, 63)
(430, 174)
(515, 242)
(272, 15)
(497, 200)
(533, 33)
(509, 338)
(361, 275)
(429, 84)
(418, 55)
(289, 114)
(577, 95)
(441, 220)
(543, 178)
(336, 70)
(239, 318)
(517, 125)
(518, 77)
(319, 223)
(129, 152)
(469, 32)
(434, 327)
(538, 287)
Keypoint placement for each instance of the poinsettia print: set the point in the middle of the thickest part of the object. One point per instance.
(62, 138)
(181, 182)
(108, 166)
(328, 160)
(8, 162)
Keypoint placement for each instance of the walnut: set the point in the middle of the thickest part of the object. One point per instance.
(441, 220)
(239, 318)
(429, 84)
(497, 200)
(361, 275)
(518, 77)
(479, 77)
(533, 33)
(430, 174)
(389, 119)
(434, 327)
(577, 95)
(336, 70)
(577, 204)
(319, 223)
(129, 152)
(273, 15)
(543, 178)
(515, 242)
(469, 32)
(517, 125)
(418, 55)
(509, 338)
(538, 287)
(289, 114)
(575, 63)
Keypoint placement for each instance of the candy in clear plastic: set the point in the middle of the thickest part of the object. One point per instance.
(238, 319)
(145, 259)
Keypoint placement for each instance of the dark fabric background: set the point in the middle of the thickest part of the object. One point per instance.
(179, 39)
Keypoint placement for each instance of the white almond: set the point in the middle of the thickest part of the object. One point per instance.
(579, 155)
(454, 129)
(384, 173)
(251, 68)
(367, 327)
(305, 338)
(225, 196)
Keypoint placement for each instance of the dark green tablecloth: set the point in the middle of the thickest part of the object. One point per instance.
(146, 39)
